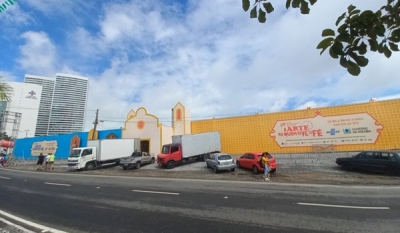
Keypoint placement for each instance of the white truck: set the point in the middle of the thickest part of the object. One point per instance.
(189, 146)
(100, 152)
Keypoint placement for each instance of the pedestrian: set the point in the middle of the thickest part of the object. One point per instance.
(40, 162)
(46, 166)
(51, 160)
(265, 163)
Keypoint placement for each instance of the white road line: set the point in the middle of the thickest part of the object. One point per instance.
(15, 226)
(143, 191)
(57, 184)
(6, 178)
(32, 224)
(345, 206)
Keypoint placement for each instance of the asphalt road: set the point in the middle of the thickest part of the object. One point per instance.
(76, 203)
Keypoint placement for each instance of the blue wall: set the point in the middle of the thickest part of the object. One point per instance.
(22, 147)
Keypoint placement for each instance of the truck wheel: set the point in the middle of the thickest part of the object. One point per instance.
(125, 168)
(215, 169)
(137, 165)
(89, 166)
(170, 164)
(152, 160)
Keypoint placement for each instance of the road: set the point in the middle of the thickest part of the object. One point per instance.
(85, 203)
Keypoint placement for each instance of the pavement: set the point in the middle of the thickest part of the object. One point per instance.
(79, 202)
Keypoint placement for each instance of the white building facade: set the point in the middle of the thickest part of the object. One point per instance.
(25, 100)
(69, 104)
(43, 119)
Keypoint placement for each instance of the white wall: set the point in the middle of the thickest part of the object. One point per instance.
(25, 100)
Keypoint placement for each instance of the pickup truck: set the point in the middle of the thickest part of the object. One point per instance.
(136, 160)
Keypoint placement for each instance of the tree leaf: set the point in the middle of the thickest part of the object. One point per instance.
(343, 62)
(337, 47)
(353, 68)
(261, 16)
(304, 9)
(340, 18)
(313, 2)
(362, 48)
(373, 44)
(268, 7)
(393, 46)
(288, 2)
(333, 54)
(355, 12)
(360, 60)
(253, 12)
(296, 3)
(387, 51)
(325, 43)
(328, 32)
(351, 8)
(245, 5)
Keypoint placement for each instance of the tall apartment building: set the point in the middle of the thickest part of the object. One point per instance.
(69, 104)
(46, 98)
(63, 103)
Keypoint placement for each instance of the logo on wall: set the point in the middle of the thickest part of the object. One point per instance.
(346, 130)
(32, 95)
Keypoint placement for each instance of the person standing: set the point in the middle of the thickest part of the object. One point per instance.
(51, 160)
(46, 166)
(265, 163)
(40, 162)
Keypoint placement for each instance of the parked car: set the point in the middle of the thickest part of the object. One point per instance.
(136, 160)
(251, 160)
(221, 161)
(387, 161)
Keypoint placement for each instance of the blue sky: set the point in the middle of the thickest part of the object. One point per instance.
(207, 54)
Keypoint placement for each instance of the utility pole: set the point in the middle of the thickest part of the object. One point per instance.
(26, 133)
(96, 121)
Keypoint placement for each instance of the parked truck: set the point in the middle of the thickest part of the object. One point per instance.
(100, 152)
(189, 146)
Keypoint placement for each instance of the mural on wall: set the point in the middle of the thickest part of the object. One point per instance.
(75, 142)
(347, 129)
(111, 136)
(44, 147)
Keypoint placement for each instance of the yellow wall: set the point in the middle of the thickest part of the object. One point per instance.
(252, 133)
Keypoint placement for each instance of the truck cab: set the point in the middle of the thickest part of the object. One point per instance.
(82, 157)
(170, 155)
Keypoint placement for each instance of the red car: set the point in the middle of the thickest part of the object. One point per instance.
(251, 160)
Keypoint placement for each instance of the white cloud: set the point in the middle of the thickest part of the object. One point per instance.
(214, 59)
(38, 54)
(7, 76)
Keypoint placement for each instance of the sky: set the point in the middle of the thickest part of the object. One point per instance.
(209, 55)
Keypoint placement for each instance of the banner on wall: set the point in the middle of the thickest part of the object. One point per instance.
(44, 147)
(350, 129)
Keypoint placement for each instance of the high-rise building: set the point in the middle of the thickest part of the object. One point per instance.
(46, 98)
(69, 104)
(19, 116)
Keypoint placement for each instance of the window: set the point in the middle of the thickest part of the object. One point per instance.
(393, 157)
(174, 149)
(87, 152)
(165, 150)
(251, 156)
(224, 157)
(385, 156)
(367, 155)
(245, 156)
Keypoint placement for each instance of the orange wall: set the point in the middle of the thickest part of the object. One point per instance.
(252, 132)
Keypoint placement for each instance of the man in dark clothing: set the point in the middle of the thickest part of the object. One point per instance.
(40, 162)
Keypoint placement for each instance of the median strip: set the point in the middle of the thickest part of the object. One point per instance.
(345, 206)
(143, 191)
(57, 184)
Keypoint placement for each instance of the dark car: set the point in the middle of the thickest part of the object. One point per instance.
(387, 161)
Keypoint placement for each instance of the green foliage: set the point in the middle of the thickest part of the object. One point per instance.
(5, 91)
(4, 136)
(6, 3)
(358, 31)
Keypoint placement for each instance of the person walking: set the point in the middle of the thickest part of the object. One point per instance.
(46, 166)
(51, 160)
(40, 162)
(265, 163)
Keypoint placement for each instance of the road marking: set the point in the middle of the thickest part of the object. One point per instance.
(97, 187)
(6, 178)
(143, 191)
(32, 224)
(15, 226)
(345, 206)
(57, 184)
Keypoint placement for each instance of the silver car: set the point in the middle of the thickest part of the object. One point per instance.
(136, 160)
(221, 161)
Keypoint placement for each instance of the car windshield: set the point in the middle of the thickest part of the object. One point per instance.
(224, 157)
(75, 153)
(165, 149)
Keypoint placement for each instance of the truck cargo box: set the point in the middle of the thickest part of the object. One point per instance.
(109, 149)
(197, 144)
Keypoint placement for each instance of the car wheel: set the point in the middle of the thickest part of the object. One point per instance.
(89, 166)
(215, 169)
(125, 168)
(255, 170)
(273, 171)
(170, 164)
(233, 169)
(238, 165)
(347, 167)
(207, 165)
(137, 165)
(152, 160)
(394, 171)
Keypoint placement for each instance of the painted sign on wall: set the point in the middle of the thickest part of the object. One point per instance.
(360, 128)
(44, 147)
